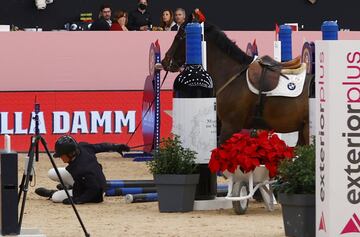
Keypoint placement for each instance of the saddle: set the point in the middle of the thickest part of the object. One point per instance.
(264, 73)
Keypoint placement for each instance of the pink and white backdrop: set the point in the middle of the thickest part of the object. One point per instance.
(93, 77)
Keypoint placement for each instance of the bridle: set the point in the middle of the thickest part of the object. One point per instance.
(180, 36)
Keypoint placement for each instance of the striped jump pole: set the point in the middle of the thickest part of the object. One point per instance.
(111, 184)
(124, 191)
(222, 190)
(124, 187)
(141, 183)
(153, 197)
(143, 197)
(222, 186)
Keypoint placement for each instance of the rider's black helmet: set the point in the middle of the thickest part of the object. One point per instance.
(66, 145)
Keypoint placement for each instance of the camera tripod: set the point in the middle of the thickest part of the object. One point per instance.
(34, 151)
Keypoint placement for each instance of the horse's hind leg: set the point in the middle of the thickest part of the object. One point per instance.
(304, 134)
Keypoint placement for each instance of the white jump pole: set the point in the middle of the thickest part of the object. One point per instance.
(7, 143)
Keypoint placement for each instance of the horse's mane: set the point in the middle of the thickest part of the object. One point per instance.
(214, 34)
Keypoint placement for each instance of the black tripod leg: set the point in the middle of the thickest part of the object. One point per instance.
(37, 152)
(63, 184)
(21, 186)
(25, 187)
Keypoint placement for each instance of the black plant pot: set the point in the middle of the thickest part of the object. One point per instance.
(176, 193)
(298, 214)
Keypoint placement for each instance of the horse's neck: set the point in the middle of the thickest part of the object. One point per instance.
(221, 66)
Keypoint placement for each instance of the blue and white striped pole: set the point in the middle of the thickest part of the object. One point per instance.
(125, 191)
(144, 197)
(129, 183)
(153, 197)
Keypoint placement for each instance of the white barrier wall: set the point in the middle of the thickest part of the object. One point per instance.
(338, 138)
(97, 61)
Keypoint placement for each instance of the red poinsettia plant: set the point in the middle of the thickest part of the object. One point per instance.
(248, 150)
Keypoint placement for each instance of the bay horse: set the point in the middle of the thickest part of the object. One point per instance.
(236, 104)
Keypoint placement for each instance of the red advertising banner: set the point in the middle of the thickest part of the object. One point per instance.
(96, 116)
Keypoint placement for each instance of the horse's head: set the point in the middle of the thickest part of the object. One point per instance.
(175, 56)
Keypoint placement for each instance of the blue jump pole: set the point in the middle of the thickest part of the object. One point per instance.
(222, 190)
(110, 184)
(222, 186)
(143, 197)
(124, 191)
(153, 197)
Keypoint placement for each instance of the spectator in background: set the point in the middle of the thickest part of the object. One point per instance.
(180, 17)
(167, 20)
(140, 19)
(104, 20)
(120, 21)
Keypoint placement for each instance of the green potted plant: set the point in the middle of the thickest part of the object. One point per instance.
(173, 167)
(296, 192)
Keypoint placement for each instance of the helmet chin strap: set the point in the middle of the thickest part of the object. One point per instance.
(74, 154)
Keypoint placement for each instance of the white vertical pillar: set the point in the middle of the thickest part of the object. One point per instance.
(277, 51)
(203, 48)
(337, 138)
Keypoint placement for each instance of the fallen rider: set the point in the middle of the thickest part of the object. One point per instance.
(83, 176)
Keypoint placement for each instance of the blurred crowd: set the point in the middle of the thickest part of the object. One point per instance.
(139, 19)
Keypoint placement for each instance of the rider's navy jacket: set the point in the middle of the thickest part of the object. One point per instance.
(89, 179)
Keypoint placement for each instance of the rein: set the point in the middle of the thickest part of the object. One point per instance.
(231, 80)
(149, 144)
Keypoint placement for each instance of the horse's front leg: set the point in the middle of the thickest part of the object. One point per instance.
(227, 130)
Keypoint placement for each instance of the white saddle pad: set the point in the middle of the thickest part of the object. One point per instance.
(291, 87)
